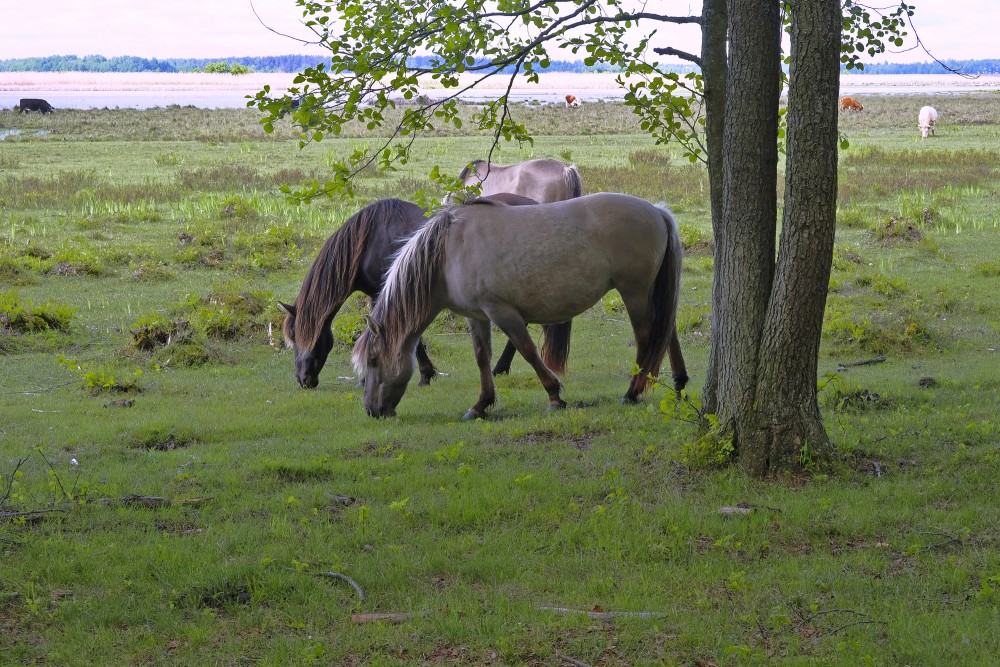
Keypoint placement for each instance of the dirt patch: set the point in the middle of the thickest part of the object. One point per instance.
(226, 594)
(163, 443)
(65, 269)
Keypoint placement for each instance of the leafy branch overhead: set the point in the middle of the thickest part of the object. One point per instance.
(383, 52)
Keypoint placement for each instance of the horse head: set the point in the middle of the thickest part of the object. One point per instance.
(309, 361)
(384, 371)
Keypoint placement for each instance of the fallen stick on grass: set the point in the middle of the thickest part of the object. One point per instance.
(398, 617)
(29, 515)
(864, 362)
(344, 577)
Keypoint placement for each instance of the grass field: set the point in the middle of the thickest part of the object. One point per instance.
(169, 495)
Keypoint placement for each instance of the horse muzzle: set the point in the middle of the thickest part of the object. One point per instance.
(380, 414)
(308, 382)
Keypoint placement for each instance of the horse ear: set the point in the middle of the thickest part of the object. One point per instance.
(373, 326)
(286, 309)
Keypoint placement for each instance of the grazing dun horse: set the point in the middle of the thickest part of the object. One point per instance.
(850, 104)
(355, 259)
(543, 180)
(926, 121)
(523, 264)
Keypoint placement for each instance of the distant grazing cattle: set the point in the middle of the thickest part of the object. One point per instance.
(30, 104)
(850, 104)
(571, 101)
(926, 121)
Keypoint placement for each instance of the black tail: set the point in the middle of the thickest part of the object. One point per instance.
(574, 184)
(555, 346)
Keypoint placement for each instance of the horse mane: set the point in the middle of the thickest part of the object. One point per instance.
(331, 277)
(405, 298)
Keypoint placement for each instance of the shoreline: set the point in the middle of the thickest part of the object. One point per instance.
(148, 89)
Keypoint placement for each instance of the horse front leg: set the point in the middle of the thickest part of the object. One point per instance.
(424, 363)
(511, 323)
(482, 347)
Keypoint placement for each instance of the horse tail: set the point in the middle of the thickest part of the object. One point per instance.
(574, 184)
(664, 300)
(555, 346)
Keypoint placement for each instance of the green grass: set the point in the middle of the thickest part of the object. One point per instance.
(197, 495)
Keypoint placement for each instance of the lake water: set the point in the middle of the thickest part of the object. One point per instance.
(73, 90)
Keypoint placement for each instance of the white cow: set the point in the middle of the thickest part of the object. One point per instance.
(927, 121)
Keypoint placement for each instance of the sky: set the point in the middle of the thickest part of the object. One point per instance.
(951, 29)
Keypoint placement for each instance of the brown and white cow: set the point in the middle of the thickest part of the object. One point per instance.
(572, 101)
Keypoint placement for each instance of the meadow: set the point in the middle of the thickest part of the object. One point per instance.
(169, 495)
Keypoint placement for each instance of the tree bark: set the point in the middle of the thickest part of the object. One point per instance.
(785, 430)
(715, 74)
(745, 241)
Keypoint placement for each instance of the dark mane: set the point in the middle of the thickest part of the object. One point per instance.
(406, 295)
(331, 277)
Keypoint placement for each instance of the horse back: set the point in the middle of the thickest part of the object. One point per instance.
(387, 230)
(578, 249)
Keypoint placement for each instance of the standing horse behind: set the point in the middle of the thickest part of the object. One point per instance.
(519, 265)
(546, 181)
(355, 259)
(543, 180)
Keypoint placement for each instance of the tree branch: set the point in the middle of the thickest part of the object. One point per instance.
(10, 481)
(671, 51)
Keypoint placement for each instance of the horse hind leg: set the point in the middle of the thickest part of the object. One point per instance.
(424, 363)
(506, 357)
(555, 349)
(678, 369)
(481, 346)
(639, 314)
(511, 323)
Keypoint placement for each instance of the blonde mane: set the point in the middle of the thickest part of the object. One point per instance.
(408, 283)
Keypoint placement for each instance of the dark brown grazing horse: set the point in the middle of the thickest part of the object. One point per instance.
(355, 259)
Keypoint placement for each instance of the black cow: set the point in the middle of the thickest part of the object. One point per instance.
(32, 104)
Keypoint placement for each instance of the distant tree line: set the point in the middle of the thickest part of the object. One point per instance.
(988, 66)
(297, 63)
(238, 65)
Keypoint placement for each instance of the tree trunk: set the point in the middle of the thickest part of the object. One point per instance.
(714, 72)
(784, 430)
(744, 254)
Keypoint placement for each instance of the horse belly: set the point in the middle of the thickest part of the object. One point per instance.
(533, 280)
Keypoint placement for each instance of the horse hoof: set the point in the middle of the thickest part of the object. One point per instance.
(556, 408)
(626, 400)
(471, 415)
